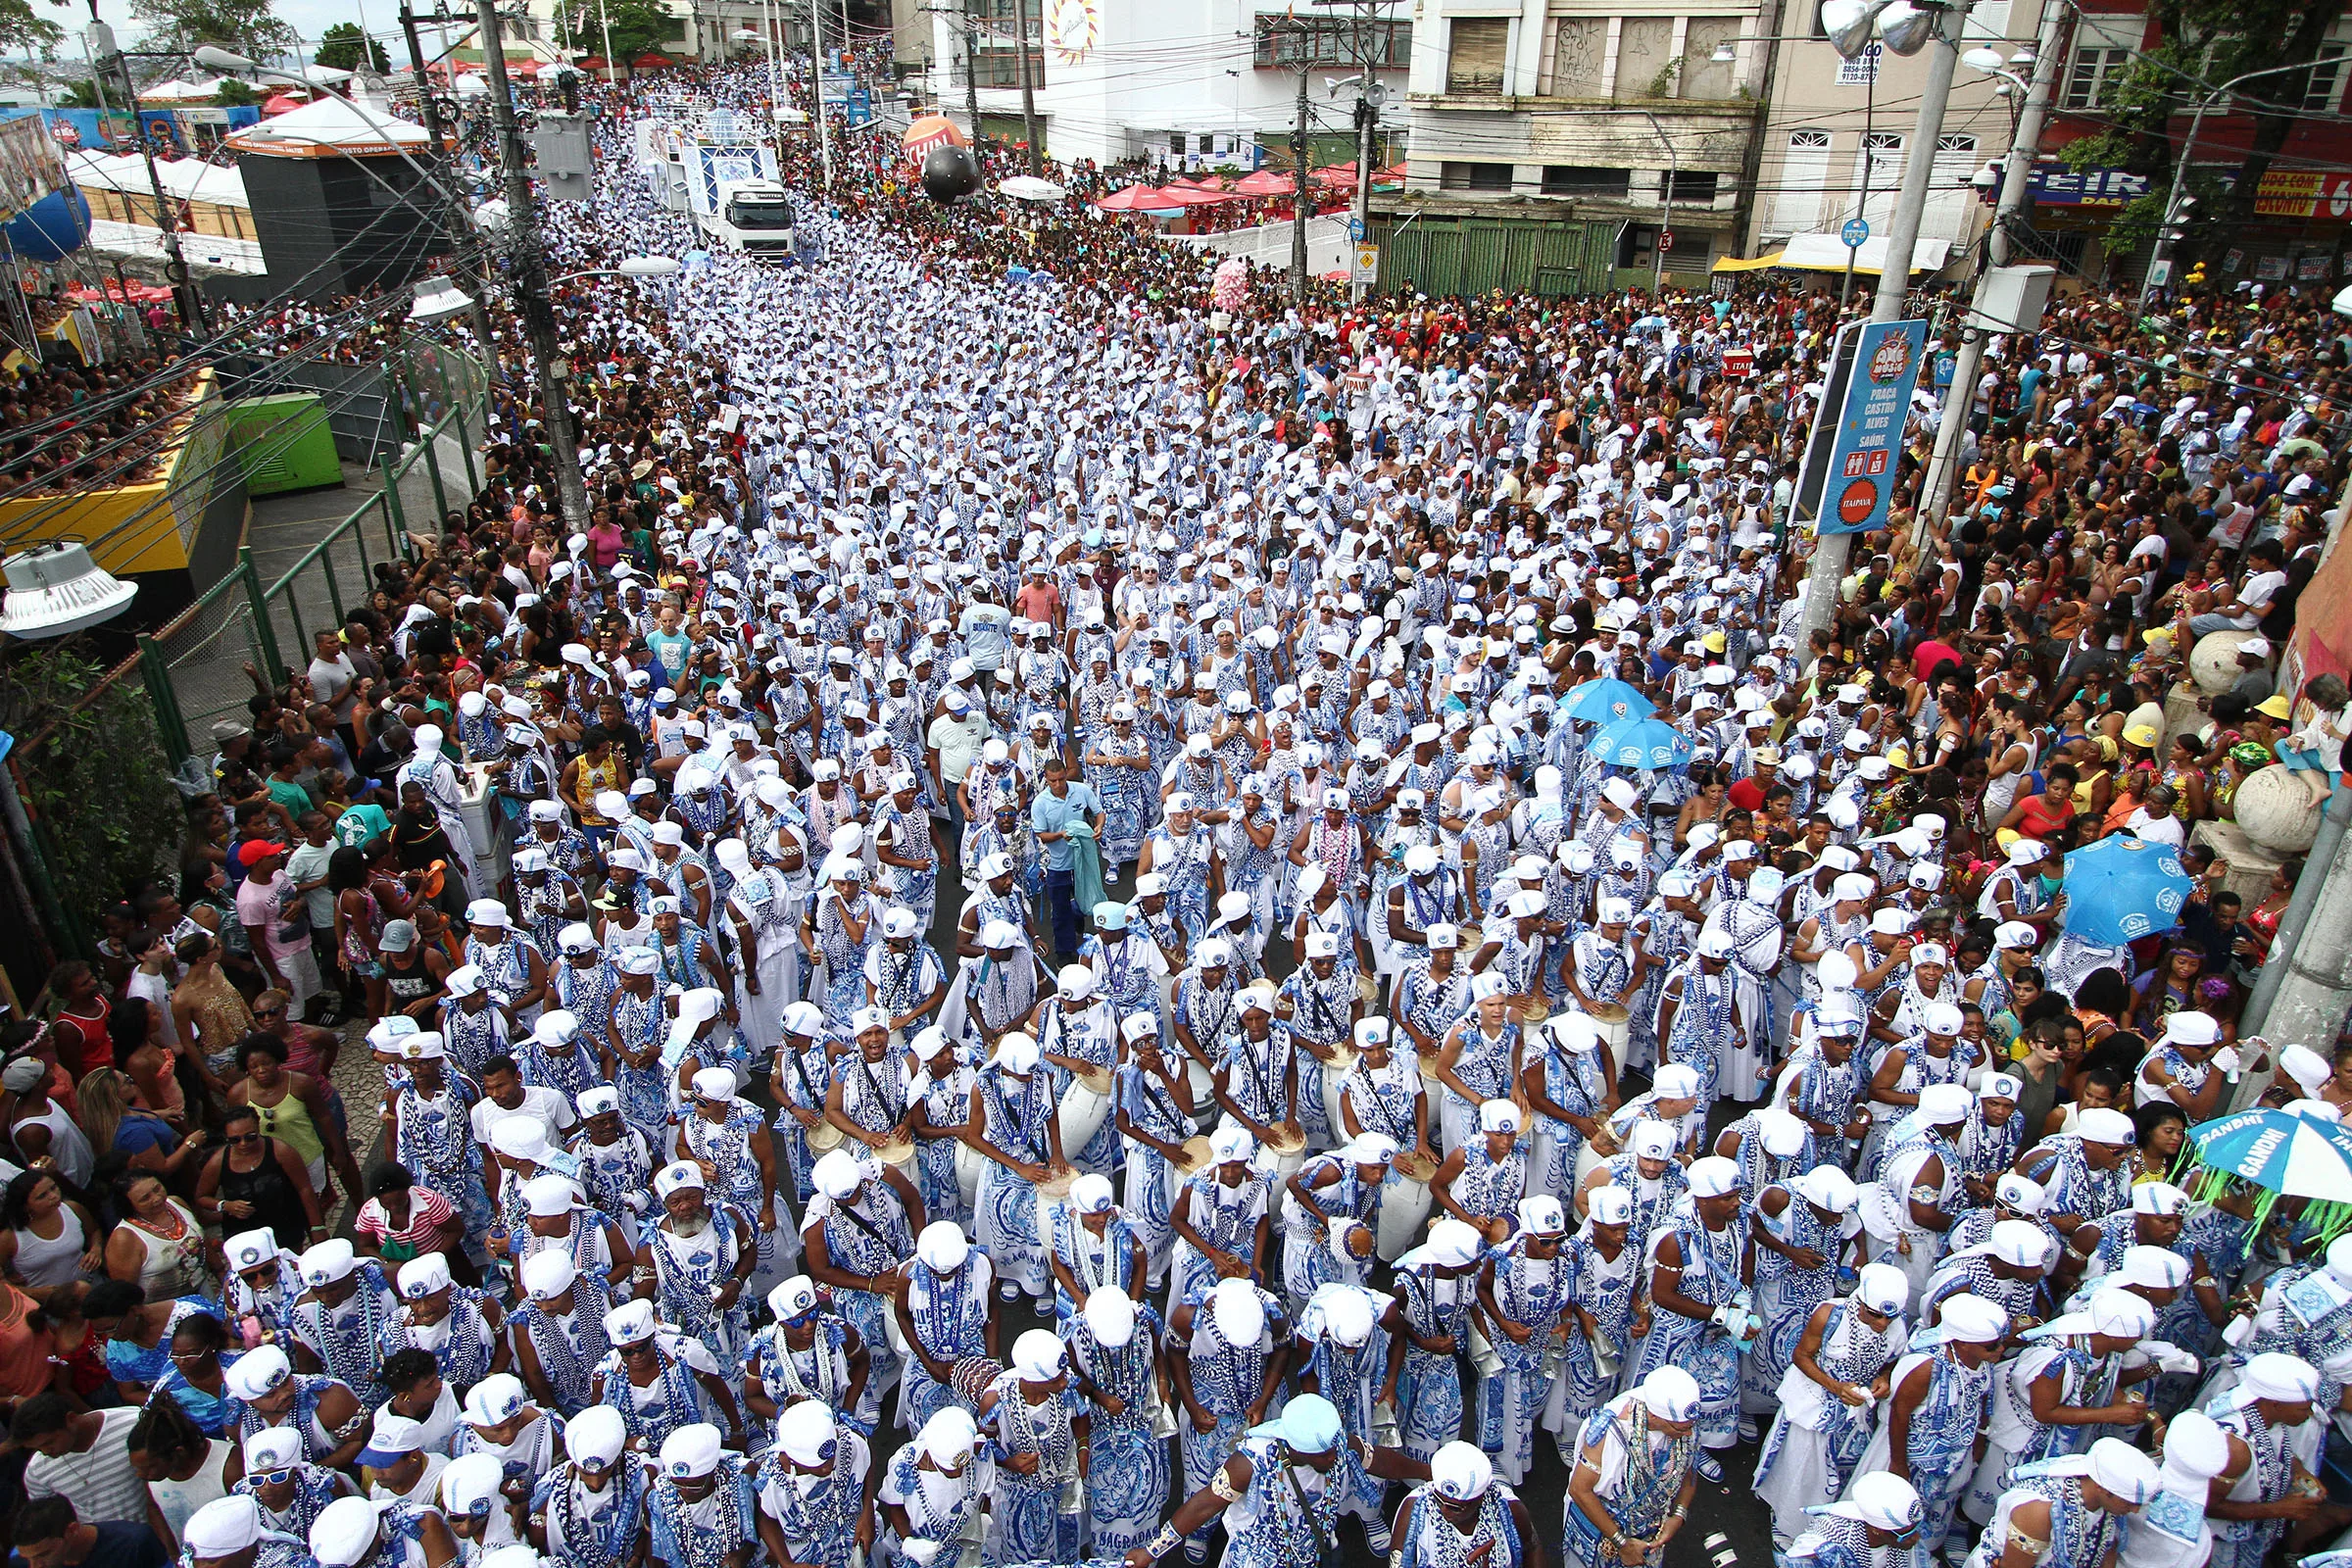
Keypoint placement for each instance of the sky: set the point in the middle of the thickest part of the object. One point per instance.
(308, 18)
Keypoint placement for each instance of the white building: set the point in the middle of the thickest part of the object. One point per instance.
(1199, 86)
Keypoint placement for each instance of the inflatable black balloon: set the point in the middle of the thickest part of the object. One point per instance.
(948, 173)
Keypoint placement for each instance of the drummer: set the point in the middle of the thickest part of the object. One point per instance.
(1093, 1247)
(1222, 1219)
(1258, 1082)
(1482, 1182)
(1479, 1061)
(867, 1101)
(1078, 1036)
(1156, 1115)
(1331, 1216)
(1317, 1007)
(1571, 1087)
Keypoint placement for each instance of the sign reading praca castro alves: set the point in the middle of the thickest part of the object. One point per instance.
(31, 166)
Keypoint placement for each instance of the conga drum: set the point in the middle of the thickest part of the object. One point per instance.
(824, 1138)
(1085, 1106)
(1198, 1155)
(899, 1152)
(1053, 1193)
(968, 1164)
(1335, 1075)
(1404, 1205)
(1616, 1030)
(1288, 1146)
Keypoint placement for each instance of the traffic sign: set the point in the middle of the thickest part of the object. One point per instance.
(1665, 240)
(1855, 233)
(1355, 231)
(1364, 264)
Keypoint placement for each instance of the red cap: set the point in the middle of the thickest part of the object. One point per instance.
(254, 851)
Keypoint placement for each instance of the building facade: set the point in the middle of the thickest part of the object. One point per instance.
(1194, 87)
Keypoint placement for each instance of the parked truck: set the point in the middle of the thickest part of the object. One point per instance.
(732, 190)
(754, 217)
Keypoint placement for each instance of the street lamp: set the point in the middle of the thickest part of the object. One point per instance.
(106, 59)
(2175, 206)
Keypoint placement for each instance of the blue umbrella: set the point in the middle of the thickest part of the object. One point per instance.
(2123, 888)
(2280, 1153)
(1642, 743)
(1606, 701)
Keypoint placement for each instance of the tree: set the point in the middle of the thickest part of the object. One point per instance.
(636, 25)
(81, 93)
(246, 26)
(23, 33)
(345, 44)
(2204, 43)
(232, 93)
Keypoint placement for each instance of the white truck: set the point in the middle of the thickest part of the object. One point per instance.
(732, 190)
(754, 217)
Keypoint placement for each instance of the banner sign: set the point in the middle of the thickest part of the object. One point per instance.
(1857, 460)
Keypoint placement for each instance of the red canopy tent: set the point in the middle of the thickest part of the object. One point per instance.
(281, 104)
(1394, 175)
(140, 293)
(524, 67)
(1139, 199)
(1265, 182)
(651, 61)
(1336, 174)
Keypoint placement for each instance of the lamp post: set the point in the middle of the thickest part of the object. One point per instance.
(2173, 204)
(107, 60)
(1960, 402)
(1906, 28)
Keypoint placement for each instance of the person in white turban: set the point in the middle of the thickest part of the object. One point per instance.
(811, 1351)
(703, 1249)
(2068, 1512)
(660, 1379)
(1520, 1285)
(1039, 1422)
(2171, 1531)
(232, 1532)
(934, 1493)
(1305, 1452)
(290, 1489)
(1228, 1352)
(2277, 1394)
(1113, 1346)
(1343, 1345)
(1877, 1523)
(1936, 1402)
(703, 1507)
(1465, 1507)
(592, 1505)
(1819, 1432)
(812, 1487)
(1632, 1481)
(1701, 1271)
(2060, 1391)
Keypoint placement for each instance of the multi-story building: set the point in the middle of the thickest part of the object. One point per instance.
(1193, 87)
(1556, 143)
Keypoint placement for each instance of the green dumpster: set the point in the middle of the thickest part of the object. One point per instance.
(284, 443)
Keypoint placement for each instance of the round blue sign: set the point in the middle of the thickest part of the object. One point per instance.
(1854, 232)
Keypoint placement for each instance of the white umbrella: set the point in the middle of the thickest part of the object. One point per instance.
(1030, 188)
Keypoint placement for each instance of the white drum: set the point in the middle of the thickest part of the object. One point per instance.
(1616, 1030)
(1288, 1150)
(1403, 1206)
(968, 1162)
(1085, 1106)
(1334, 1077)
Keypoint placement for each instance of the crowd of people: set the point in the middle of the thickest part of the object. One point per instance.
(1055, 970)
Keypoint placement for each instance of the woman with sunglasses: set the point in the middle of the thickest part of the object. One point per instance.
(197, 1376)
(259, 1183)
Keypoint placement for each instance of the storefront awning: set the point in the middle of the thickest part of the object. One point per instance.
(1733, 264)
(1826, 252)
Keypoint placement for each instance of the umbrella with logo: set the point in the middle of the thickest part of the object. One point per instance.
(1642, 742)
(2123, 888)
(2282, 1154)
(1607, 701)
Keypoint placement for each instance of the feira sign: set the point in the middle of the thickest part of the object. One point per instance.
(1848, 476)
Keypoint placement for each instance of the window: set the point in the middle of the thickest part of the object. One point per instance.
(1693, 185)
(1987, 21)
(1645, 58)
(1580, 179)
(1579, 50)
(2326, 80)
(1804, 172)
(1877, 174)
(1282, 41)
(1473, 176)
(1478, 49)
(1950, 195)
(1702, 77)
(2092, 76)
(1001, 67)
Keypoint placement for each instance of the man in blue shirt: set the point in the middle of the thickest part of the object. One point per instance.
(1060, 805)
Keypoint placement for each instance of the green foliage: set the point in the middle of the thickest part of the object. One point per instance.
(79, 94)
(635, 27)
(343, 46)
(233, 92)
(2205, 43)
(23, 33)
(245, 27)
(98, 786)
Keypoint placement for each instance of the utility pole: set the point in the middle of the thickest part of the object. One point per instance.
(1832, 550)
(478, 317)
(110, 60)
(1960, 402)
(1037, 163)
(971, 78)
(529, 256)
(816, 92)
(1298, 168)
